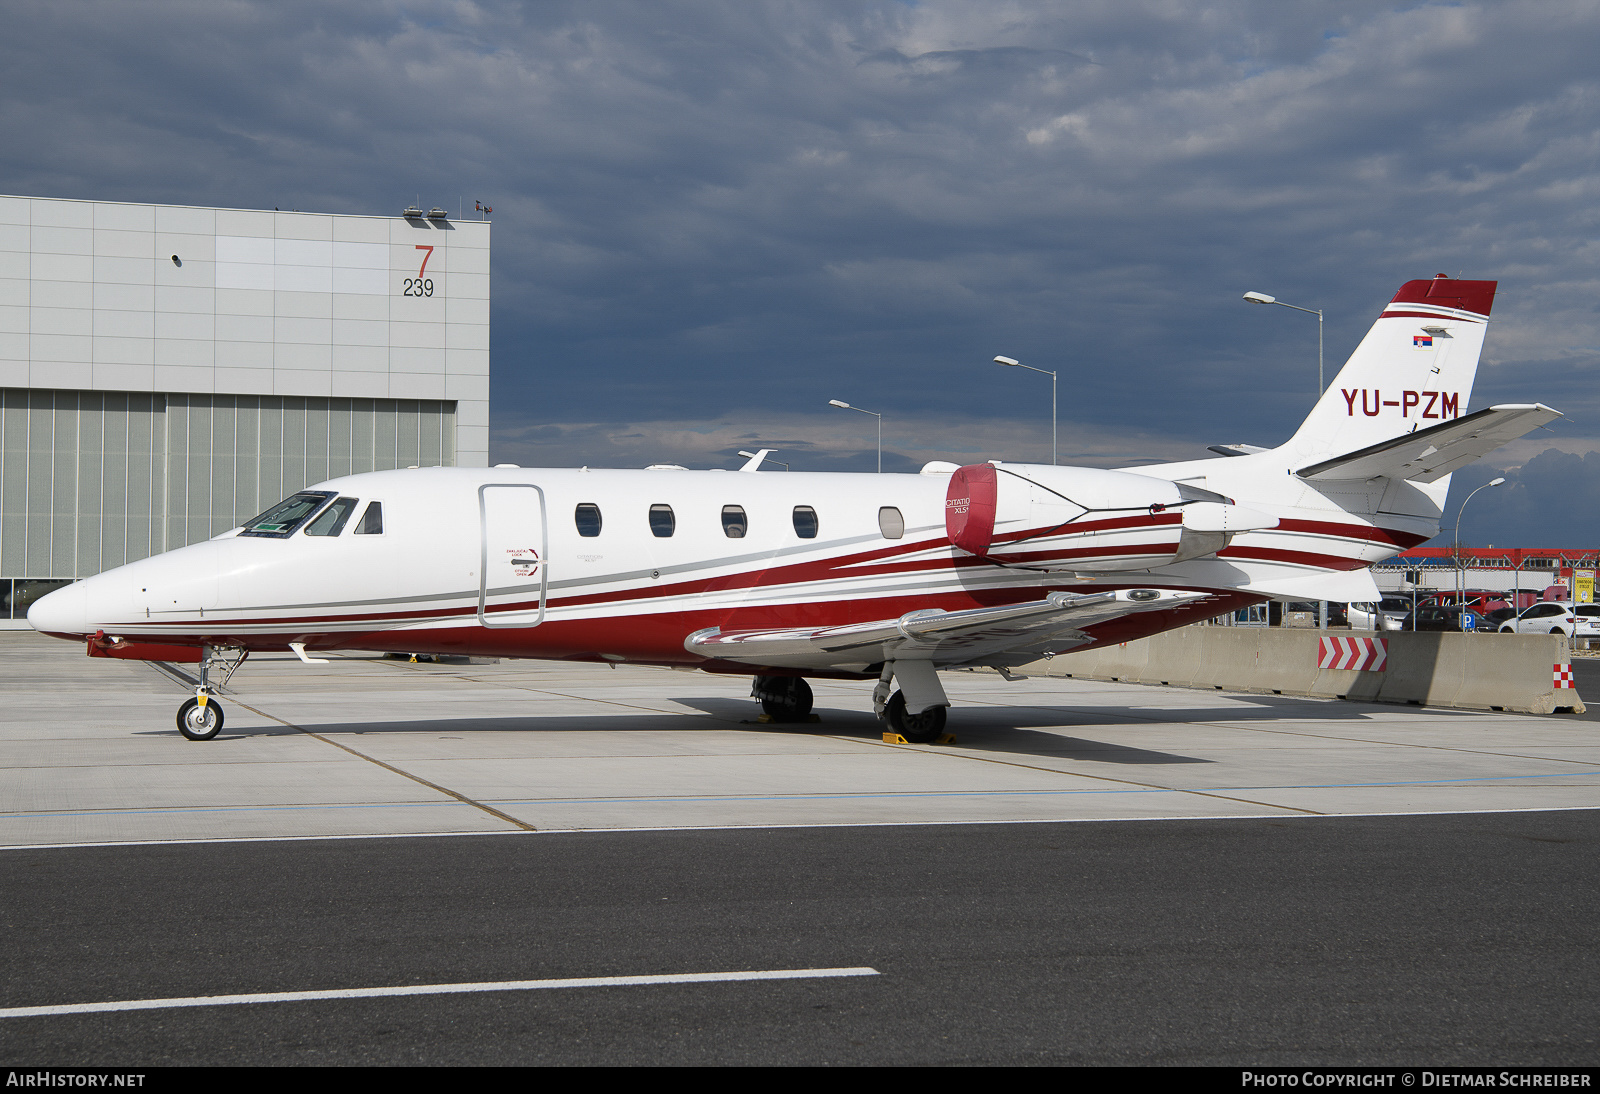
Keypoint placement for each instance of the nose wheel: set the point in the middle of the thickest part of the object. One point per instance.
(200, 718)
(200, 722)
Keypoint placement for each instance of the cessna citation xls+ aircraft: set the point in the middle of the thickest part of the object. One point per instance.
(845, 576)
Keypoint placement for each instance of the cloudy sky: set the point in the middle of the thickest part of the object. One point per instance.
(711, 218)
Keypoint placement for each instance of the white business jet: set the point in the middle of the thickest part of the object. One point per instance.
(787, 576)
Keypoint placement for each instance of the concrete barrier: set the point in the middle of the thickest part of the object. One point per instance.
(1515, 672)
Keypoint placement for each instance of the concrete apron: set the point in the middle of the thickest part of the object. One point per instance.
(1509, 672)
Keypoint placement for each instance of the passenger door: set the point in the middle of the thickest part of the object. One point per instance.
(514, 567)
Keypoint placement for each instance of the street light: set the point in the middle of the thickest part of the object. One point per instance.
(1014, 363)
(1460, 571)
(1263, 298)
(842, 405)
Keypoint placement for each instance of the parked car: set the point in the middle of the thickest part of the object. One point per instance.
(1492, 620)
(1386, 615)
(1311, 609)
(1482, 601)
(1436, 617)
(1557, 617)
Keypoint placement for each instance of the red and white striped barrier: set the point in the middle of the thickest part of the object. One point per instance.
(1564, 676)
(1360, 654)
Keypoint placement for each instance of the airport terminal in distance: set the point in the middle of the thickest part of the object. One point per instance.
(1312, 848)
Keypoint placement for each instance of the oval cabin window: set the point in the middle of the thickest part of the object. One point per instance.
(587, 518)
(805, 522)
(891, 523)
(734, 522)
(662, 522)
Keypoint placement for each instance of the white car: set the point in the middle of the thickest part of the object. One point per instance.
(1387, 615)
(1557, 617)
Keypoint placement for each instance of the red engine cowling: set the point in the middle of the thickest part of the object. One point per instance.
(969, 507)
(1086, 519)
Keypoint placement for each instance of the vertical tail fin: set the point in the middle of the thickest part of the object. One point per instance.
(1414, 368)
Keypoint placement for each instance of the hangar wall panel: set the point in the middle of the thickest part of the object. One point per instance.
(105, 296)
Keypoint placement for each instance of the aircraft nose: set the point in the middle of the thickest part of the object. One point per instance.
(65, 611)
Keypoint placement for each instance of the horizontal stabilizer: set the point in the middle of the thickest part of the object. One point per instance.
(1012, 633)
(1430, 454)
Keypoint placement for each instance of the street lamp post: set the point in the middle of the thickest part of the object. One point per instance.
(1014, 363)
(1460, 571)
(842, 405)
(1263, 298)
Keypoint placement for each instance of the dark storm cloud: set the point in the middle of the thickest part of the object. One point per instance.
(730, 213)
(1551, 501)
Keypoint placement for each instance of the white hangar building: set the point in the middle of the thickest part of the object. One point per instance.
(167, 372)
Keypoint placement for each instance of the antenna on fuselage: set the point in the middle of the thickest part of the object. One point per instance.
(753, 461)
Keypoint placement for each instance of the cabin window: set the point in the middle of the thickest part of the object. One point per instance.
(282, 520)
(805, 522)
(891, 523)
(662, 522)
(372, 520)
(331, 521)
(587, 518)
(734, 522)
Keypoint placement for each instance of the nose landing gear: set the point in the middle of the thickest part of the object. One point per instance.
(200, 718)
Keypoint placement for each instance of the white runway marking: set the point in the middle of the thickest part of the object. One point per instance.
(432, 989)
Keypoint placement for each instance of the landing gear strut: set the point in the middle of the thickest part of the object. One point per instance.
(783, 698)
(200, 718)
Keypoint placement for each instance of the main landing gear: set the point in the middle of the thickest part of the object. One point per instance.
(919, 729)
(784, 699)
(917, 711)
(200, 718)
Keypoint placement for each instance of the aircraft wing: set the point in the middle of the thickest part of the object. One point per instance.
(1011, 634)
(1432, 453)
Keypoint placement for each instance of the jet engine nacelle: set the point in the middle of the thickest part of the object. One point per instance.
(1085, 519)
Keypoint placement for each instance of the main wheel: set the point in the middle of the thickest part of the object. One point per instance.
(783, 698)
(200, 723)
(920, 729)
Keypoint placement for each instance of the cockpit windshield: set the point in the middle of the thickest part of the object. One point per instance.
(282, 519)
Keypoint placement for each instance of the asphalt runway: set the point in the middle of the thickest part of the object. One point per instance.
(1465, 939)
